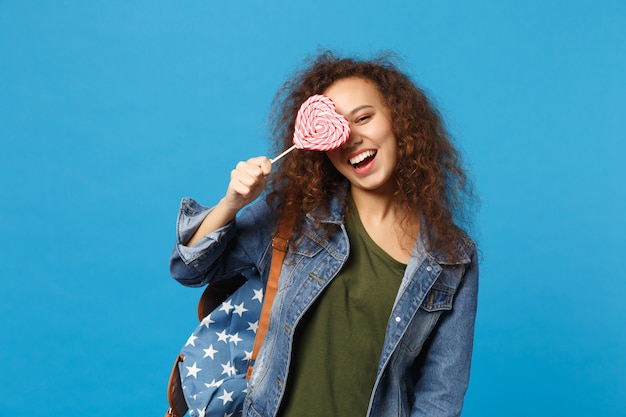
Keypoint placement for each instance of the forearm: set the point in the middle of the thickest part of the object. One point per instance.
(247, 181)
(220, 216)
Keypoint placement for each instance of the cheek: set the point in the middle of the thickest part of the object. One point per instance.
(392, 150)
(334, 158)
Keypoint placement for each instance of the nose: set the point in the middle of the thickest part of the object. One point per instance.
(353, 139)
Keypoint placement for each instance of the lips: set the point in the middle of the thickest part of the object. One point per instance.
(361, 159)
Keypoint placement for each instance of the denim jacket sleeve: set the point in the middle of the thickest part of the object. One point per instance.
(445, 370)
(220, 254)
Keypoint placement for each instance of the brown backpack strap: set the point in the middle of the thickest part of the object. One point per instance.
(175, 397)
(280, 246)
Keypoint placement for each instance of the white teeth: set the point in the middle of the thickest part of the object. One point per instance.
(361, 157)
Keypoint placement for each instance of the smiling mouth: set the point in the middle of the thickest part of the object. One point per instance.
(362, 158)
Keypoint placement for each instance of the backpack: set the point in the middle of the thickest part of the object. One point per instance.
(210, 375)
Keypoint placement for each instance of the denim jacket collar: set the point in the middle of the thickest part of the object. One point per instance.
(460, 256)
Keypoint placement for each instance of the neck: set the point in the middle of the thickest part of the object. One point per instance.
(374, 206)
(385, 223)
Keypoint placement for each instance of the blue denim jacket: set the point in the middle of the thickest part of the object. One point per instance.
(425, 362)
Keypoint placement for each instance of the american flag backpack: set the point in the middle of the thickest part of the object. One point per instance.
(210, 375)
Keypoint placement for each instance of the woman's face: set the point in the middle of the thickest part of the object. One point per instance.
(369, 158)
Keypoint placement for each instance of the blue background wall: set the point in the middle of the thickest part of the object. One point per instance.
(111, 111)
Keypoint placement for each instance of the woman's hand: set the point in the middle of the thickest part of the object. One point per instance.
(247, 182)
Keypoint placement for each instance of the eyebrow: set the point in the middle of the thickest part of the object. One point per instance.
(360, 108)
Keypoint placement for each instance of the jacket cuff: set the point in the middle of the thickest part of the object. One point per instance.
(190, 216)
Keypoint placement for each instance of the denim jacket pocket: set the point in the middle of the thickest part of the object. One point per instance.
(438, 298)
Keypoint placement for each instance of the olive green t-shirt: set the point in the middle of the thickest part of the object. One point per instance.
(337, 345)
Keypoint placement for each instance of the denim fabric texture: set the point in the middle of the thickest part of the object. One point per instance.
(425, 362)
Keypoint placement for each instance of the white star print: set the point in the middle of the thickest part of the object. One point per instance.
(226, 307)
(201, 348)
(258, 295)
(222, 337)
(228, 369)
(207, 321)
(234, 338)
(191, 341)
(226, 397)
(210, 352)
(253, 326)
(240, 309)
(214, 383)
(193, 370)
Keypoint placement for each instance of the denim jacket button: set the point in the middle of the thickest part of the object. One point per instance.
(398, 319)
(429, 268)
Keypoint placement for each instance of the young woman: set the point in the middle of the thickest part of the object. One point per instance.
(375, 310)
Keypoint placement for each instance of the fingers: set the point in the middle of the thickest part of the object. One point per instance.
(263, 163)
(251, 172)
(247, 181)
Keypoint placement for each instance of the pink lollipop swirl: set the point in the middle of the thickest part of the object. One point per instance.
(318, 125)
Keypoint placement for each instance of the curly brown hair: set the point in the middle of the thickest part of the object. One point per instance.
(430, 178)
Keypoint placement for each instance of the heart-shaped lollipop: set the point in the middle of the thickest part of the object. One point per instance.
(318, 126)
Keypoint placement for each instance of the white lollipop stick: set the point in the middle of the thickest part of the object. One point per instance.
(283, 154)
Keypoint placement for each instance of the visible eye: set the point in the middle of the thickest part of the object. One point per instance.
(363, 118)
